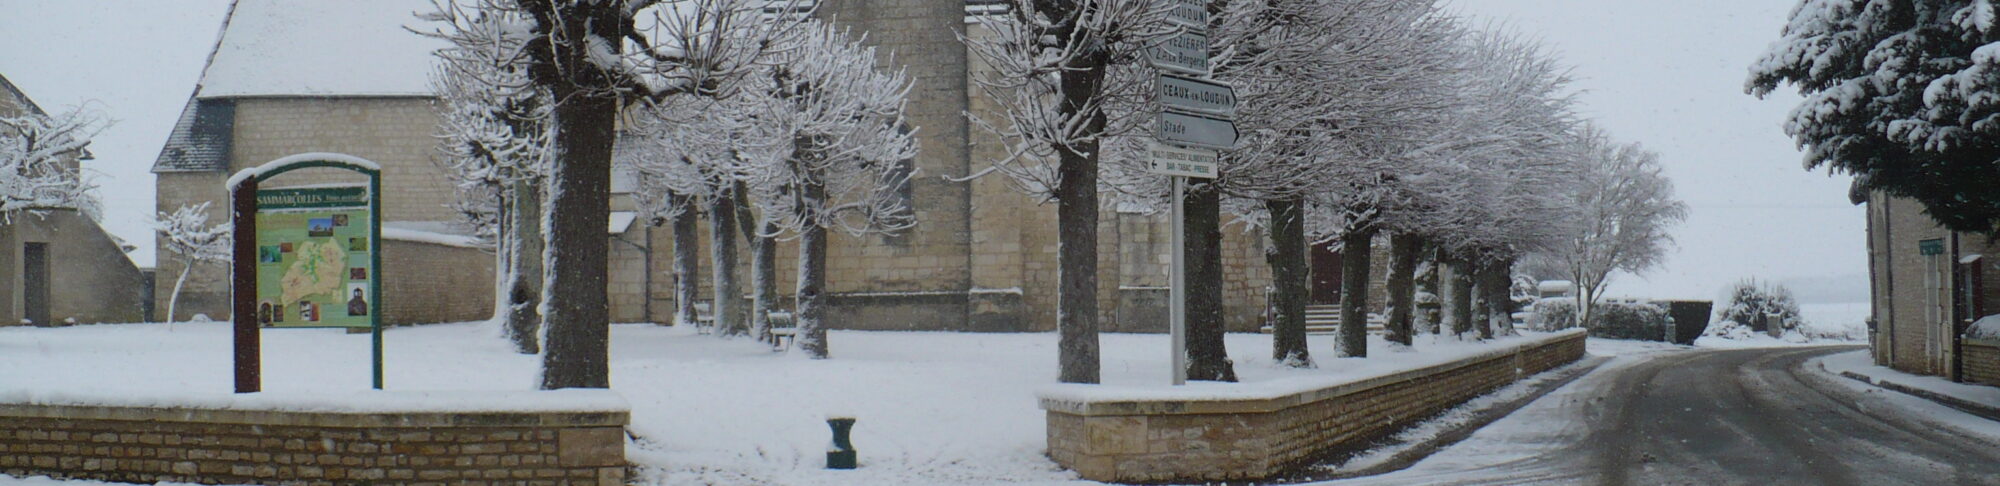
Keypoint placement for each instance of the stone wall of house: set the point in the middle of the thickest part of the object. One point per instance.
(1981, 361)
(90, 278)
(1197, 440)
(1914, 291)
(206, 290)
(276, 446)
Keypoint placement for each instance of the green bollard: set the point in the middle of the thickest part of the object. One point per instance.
(841, 455)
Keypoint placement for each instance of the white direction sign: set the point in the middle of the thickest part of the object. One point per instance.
(1197, 130)
(1186, 52)
(1182, 161)
(1198, 95)
(1191, 14)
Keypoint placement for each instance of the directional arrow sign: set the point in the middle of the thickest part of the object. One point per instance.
(1182, 161)
(1191, 14)
(1186, 52)
(1197, 130)
(1199, 95)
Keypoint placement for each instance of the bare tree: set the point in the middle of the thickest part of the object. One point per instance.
(38, 156)
(1625, 207)
(1051, 61)
(186, 234)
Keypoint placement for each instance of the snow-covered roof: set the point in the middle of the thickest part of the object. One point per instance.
(321, 48)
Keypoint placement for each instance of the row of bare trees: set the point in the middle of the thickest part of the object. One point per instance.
(1359, 119)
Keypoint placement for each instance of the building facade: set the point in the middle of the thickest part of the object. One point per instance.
(1928, 285)
(59, 266)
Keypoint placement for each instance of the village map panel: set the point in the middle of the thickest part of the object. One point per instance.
(313, 257)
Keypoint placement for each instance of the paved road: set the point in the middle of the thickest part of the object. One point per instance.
(1751, 417)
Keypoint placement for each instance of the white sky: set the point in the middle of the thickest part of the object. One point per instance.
(1667, 74)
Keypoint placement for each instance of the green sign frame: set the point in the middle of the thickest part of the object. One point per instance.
(316, 212)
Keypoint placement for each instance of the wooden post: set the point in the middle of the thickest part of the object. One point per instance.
(243, 282)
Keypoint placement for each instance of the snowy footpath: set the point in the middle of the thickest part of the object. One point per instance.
(933, 408)
(1976, 399)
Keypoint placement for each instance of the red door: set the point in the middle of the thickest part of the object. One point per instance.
(1325, 274)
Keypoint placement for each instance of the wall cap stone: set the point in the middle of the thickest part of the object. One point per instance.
(1100, 400)
(558, 408)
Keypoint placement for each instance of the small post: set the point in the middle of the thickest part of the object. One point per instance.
(1177, 290)
(841, 454)
(243, 276)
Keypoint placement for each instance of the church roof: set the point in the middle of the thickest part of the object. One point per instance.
(321, 48)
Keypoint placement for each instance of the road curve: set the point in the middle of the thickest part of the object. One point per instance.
(1751, 416)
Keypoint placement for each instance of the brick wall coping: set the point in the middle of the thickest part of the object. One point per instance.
(1210, 398)
(560, 408)
(1991, 343)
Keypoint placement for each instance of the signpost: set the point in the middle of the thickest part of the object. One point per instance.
(1197, 122)
(305, 257)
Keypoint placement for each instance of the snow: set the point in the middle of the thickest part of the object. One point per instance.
(272, 166)
(1985, 328)
(1431, 350)
(1859, 362)
(390, 232)
(320, 48)
(359, 401)
(932, 408)
(1824, 324)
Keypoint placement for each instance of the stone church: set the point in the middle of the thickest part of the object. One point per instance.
(294, 78)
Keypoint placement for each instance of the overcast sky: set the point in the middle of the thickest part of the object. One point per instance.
(1665, 74)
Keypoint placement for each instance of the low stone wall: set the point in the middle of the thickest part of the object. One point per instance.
(568, 438)
(1257, 437)
(1981, 362)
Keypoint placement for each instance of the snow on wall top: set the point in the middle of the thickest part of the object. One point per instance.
(373, 401)
(1985, 328)
(321, 48)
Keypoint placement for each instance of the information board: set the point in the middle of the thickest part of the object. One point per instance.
(315, 257)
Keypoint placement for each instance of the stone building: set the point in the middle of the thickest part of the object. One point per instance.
(982, 257)
(1927, 286)
(58, 265)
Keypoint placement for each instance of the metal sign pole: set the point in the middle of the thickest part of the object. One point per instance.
(1178, 290)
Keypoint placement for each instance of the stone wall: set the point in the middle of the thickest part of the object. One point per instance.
(425, 282)
(1256, 437)
(270, 445)
(1981, 361)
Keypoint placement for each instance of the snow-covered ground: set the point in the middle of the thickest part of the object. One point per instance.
(933, 408)
(1860, 363)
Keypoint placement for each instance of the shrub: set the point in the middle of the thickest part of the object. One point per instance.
(1756, 308)
(1630, 319)
(1553, 314)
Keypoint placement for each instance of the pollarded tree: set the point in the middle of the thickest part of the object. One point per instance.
(1052, 61)
(495, 129)
(838, 157)
(1624, 208)
(186, 234)
(1899, 94)
(592, 58)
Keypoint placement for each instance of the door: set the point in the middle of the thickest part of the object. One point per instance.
(35, 283)
(1325, 274)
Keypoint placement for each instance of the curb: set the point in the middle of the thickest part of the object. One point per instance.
(1985, 411)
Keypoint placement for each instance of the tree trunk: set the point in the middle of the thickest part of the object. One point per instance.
(1208, 359)
(763, 263)
(686, 258)
(1428, 316)
(174, 298)
(1456, 282)
(1355, 253)
(578, 330)
(524, 293)
(577, 339)
(1076, 218)
(1500, 298)
(1289, 277)
(727, 306)
(811, 305)
(1483, 305)
(1402, 286)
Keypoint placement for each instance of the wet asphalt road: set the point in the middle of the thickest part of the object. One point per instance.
(1751, 417)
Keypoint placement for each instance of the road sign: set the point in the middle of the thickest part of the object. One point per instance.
(1933, 246)
(1191, 14)
(1182, 161)
(1199, 95)
(1197, 130)
(1186, 52)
